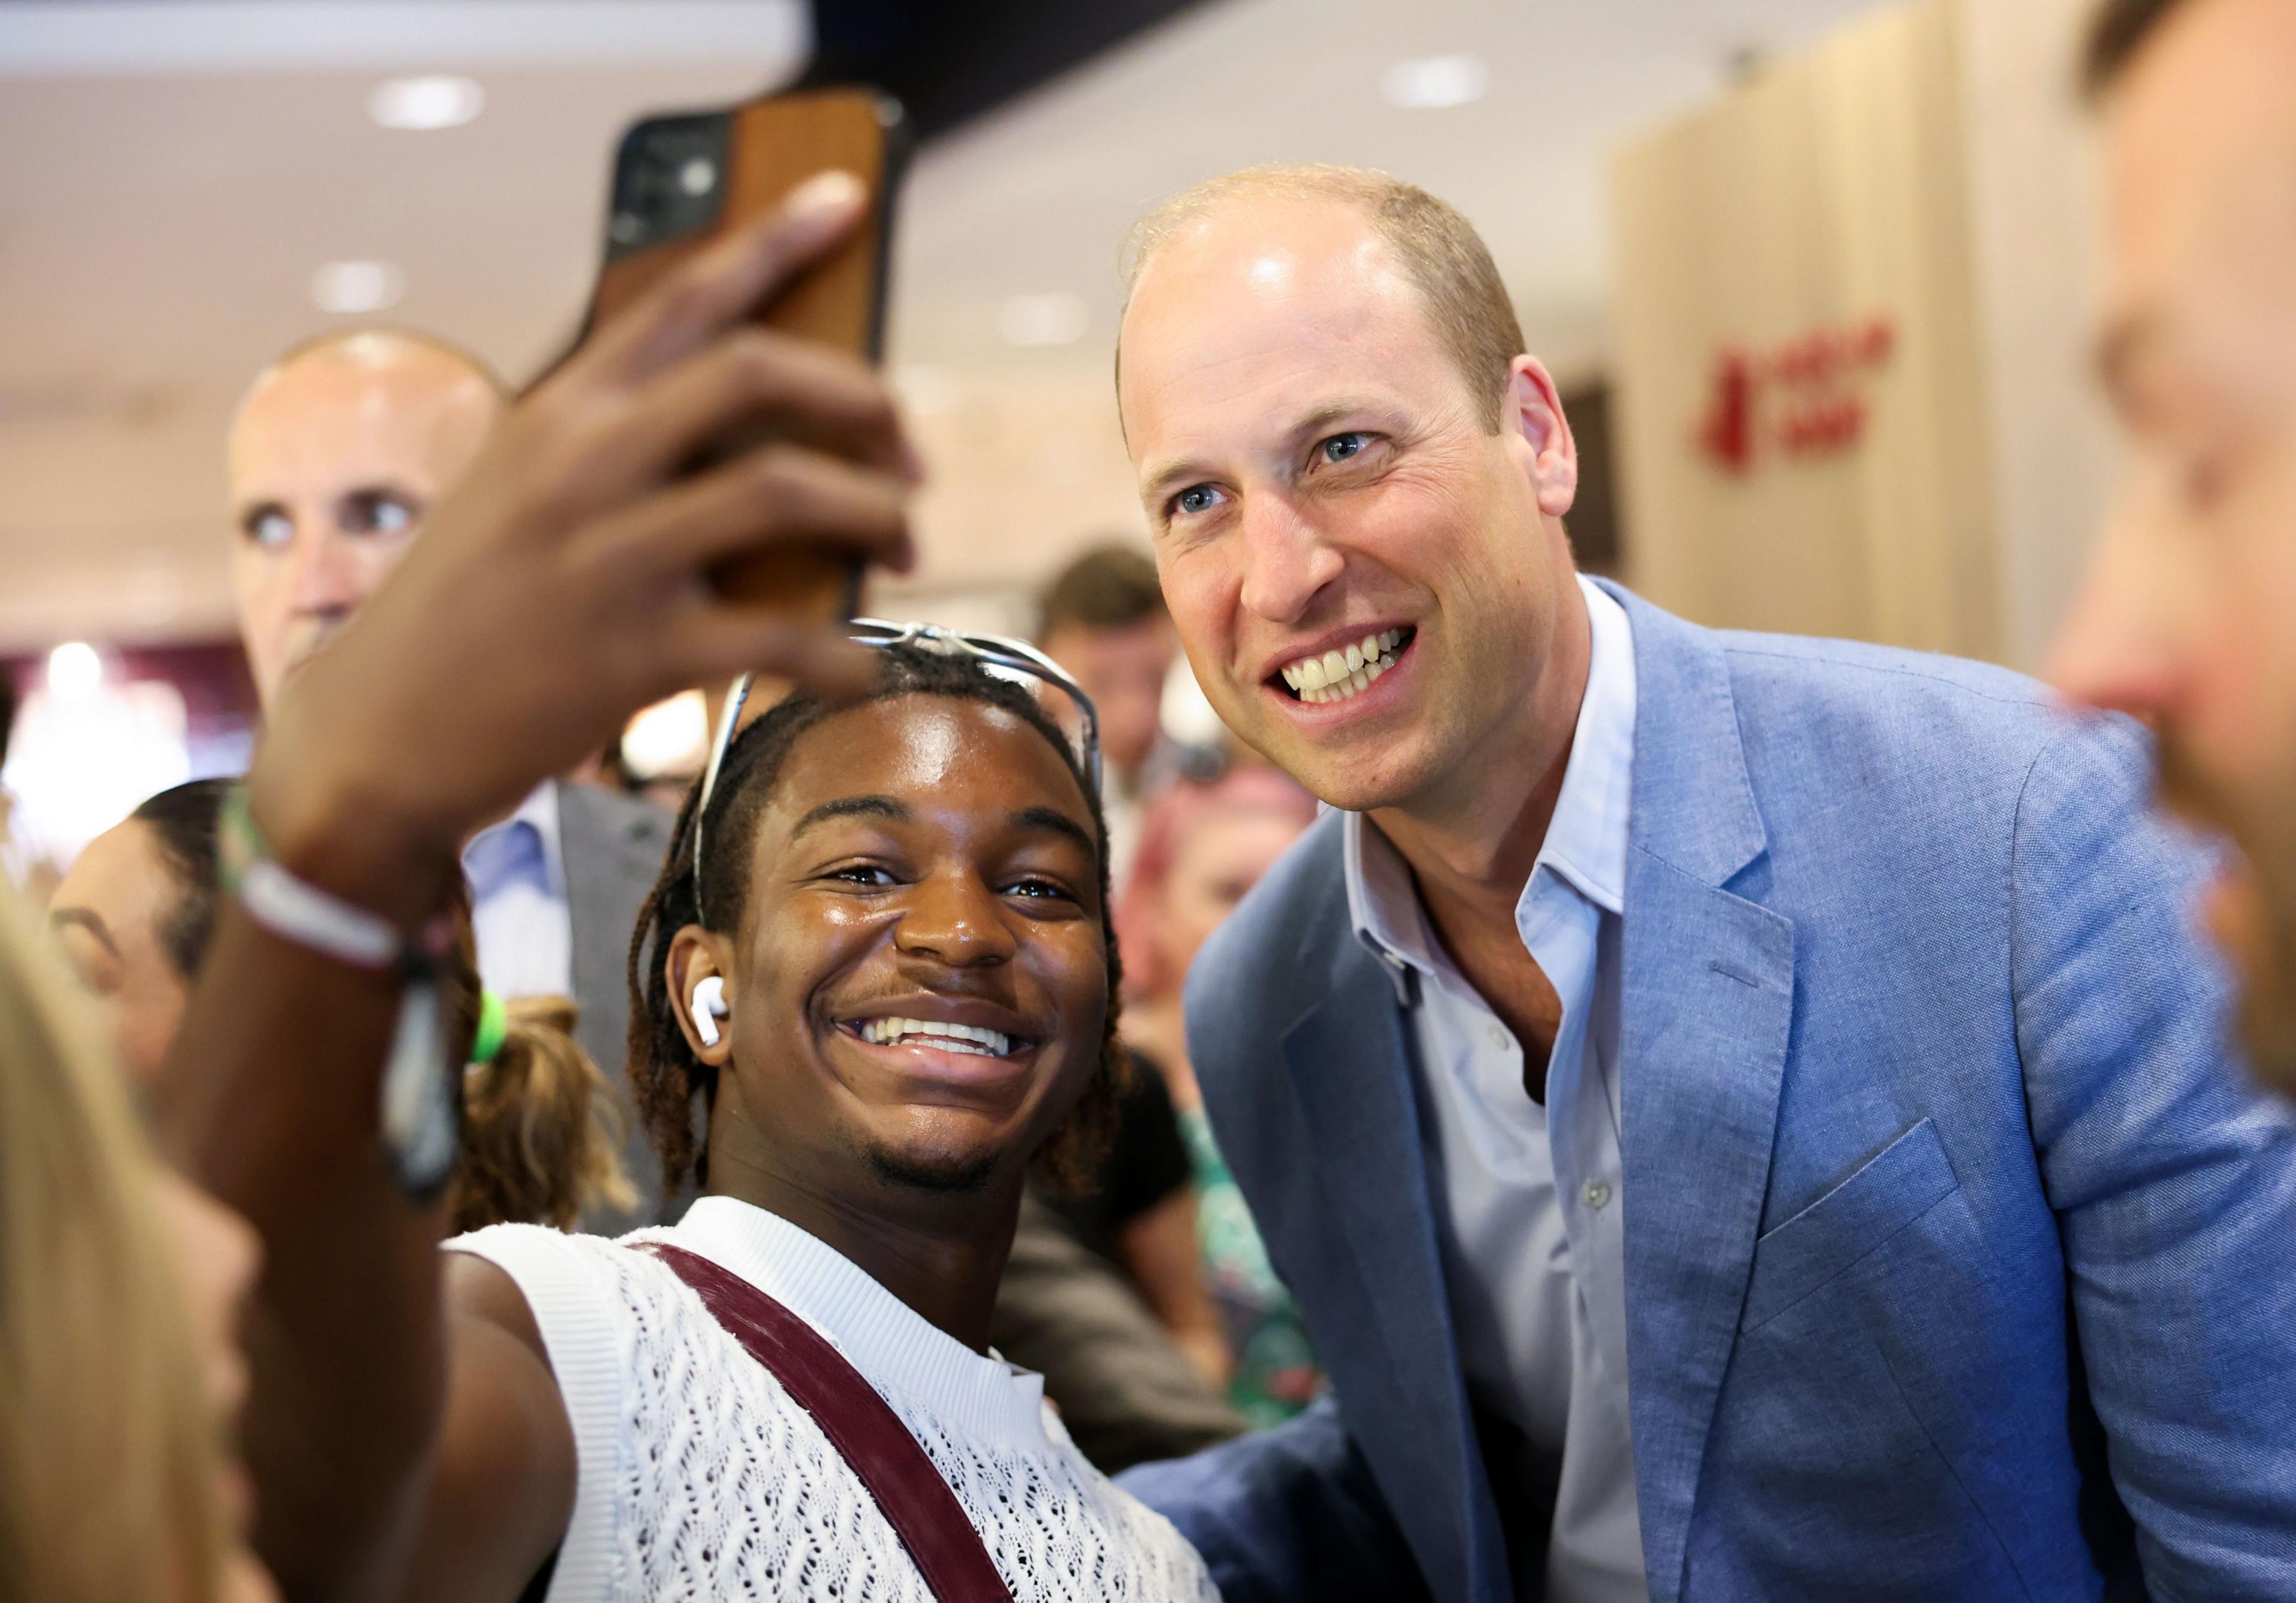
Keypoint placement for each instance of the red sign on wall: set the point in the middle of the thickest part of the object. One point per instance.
(1801, 398)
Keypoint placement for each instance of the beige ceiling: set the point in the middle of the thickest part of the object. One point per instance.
(168, 190)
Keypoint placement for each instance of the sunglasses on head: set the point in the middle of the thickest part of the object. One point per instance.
(1004, 657)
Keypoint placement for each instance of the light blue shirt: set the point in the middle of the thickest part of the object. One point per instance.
(519, 910)
(1529, 1207)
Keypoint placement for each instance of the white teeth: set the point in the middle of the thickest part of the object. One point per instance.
(973, 1038)
(1335, 676)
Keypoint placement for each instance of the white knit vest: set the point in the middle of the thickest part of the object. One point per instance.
(698, 1478)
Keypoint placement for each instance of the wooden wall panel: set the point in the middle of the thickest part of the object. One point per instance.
(1821, 206)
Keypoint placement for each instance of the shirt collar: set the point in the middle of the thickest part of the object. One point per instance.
(1585, 844)
(541, 809)
(538, 812)
(895, 1347)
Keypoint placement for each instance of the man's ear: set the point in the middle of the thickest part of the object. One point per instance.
(1532, 410)
(696, 955)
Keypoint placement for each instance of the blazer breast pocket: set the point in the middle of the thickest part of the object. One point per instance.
(1833, 1235)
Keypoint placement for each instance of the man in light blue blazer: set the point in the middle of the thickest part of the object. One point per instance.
(1743, 1117)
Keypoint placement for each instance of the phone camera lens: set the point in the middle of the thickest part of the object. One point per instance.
(698, 176)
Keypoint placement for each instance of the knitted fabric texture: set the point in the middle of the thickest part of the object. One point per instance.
(725, 1488)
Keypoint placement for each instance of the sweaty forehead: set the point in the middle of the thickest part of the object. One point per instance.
(1273, 298)
(932, 753)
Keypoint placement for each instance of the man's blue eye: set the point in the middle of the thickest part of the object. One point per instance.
(270, 530)
(1341, 446)
(1196, 498)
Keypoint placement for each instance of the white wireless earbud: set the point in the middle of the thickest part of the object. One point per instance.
(709, 1008)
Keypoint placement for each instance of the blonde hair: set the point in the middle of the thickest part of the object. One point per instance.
(541, 1139)
(1438, 249)
(107, 1450)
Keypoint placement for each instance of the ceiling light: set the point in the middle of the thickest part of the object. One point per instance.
(434, 100)
(74, 669)
(671, 737)
(358, 286)
(1184, 713)
(1432, 83)
(1058, 318)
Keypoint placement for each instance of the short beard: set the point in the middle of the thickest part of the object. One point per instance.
(2264, 947)
(2268, 990)
(942, 1175)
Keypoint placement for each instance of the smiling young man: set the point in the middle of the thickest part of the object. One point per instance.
(1742, 1117)
(2189, 615)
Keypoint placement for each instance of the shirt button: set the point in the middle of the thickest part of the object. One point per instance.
(1500, 1040)
(1597, 1193)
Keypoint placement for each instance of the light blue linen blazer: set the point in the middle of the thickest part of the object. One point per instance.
(1960, 1255)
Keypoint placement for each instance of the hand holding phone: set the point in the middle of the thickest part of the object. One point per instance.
(558, 585)
(682, 181)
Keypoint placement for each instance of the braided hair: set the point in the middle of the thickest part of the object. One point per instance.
(665, 1075)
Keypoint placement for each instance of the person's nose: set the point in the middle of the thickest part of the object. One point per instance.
(2117, 648)
(326, 571)
(958, 919)
(1287, 561)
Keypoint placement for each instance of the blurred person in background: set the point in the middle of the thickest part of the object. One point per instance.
(134, 915)
(1137, 1210)
(1202, 846)
(1742, 1117)
(121, 1285)
(337, 453)
(1128, 1391)
(1103, 618)
(541, 1136)
(2188, 615)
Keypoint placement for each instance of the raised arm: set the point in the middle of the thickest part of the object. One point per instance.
(557, 589)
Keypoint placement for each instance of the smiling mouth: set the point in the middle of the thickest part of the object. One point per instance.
(970, 1039)
(1340, 674)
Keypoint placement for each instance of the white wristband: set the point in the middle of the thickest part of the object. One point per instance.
(302, 913)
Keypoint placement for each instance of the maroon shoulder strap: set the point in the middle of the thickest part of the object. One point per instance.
(925, 1514)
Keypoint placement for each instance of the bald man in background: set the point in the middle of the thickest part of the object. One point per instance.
(337, 452)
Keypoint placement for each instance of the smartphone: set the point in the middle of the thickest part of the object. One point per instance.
(682, 180)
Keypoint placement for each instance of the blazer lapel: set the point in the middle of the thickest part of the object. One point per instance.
(1707, 1011)
(612, 848)
(1351, 1075)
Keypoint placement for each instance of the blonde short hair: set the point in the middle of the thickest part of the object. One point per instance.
(1439, 251)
